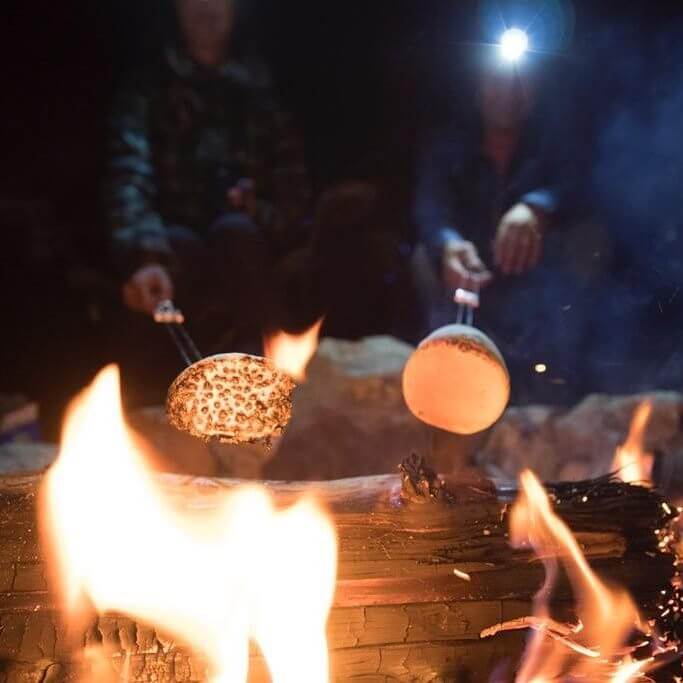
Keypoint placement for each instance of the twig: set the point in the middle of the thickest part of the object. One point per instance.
(553, 629)
(531, 622)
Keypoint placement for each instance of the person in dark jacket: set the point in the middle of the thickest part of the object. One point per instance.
(209, 201)
(206, 180)
(206, 188)
(492, 193)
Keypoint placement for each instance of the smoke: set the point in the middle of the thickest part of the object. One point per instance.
(637, 181)
(606, 310)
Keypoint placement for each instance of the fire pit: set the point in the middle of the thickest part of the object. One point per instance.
(427, 585)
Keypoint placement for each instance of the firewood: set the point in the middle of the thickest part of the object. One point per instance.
(404, 608)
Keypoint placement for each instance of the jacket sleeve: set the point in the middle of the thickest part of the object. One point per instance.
(137, 232)
(557, 181)
(277, 164)
(552, 185)
(435, 213)
(556, 189)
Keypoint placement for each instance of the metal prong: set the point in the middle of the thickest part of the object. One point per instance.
(467, 300)
(466, 297)
(166, 312)
(170, 316)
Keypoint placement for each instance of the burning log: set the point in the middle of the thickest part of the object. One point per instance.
(423, 568)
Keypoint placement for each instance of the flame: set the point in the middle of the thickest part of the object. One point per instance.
(292, 352)
(212, 577)
(631, 463)
(629, 671)
(606, 616)
(97, 666)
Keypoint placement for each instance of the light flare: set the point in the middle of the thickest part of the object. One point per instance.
(632, 464)
(513, 44)
(291, 353)
(213, 577)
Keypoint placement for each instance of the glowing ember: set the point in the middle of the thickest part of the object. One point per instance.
(97, 666)
(213, 578)
(591, 650)
(629, 671)
(631, 463)
(292, 352)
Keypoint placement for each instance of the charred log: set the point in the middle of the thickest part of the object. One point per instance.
(424, 567)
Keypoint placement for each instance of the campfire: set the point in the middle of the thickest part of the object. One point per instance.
(631, 462)
(291, 353)
(212, 577)
(410, 576)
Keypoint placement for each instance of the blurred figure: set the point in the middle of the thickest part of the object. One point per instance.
(361, 260)
(491, 192)
(206, 187)
(206, 178)
(497, 193)
(209, 202)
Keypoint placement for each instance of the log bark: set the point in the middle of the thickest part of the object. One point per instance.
(402, 609)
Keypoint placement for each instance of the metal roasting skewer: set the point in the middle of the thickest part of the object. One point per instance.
(467, 301)
(172, 318)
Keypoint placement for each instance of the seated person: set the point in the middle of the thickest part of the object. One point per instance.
(205, 177)
(205, 187)
(489, 195)
(209, 202)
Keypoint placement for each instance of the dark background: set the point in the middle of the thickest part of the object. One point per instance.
(365, 78)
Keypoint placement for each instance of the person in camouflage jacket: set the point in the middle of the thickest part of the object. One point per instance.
(206, 178)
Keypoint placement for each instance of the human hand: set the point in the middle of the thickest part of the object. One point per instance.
(147, 287)
(462, 267)
(519, 239)
(242, 196)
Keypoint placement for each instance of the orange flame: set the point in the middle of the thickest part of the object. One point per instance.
(606, 616)
(631, 463)
(97, 666)
(291, 353)
(213, 577)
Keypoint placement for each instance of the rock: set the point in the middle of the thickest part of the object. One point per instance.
(172, 450)
(600, 423)
(245, 460)
(580, 442)
(524, 437)
(349, 417)
(176, 451)
(19, 457)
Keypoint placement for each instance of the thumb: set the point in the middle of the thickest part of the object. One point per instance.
(470, 257)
